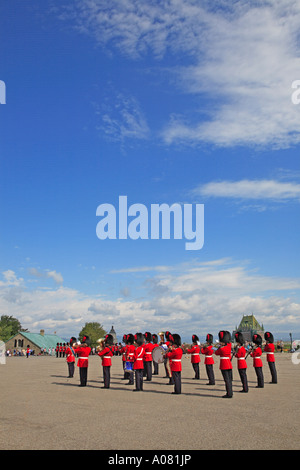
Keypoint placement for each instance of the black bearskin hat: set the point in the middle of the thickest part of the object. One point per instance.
(154, 338)
(224, 336)
(72, 340)
(109, 340)
(125, 339)
(130, 338)
(86, 340)
(239, 337)
(257, 339)
(167, 335)
(176, 339)
(209, 338)
(195, 338)
(148, 336)
(139, 339)
(269, 337)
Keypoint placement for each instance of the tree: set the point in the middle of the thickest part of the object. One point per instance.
(9, 326)
(94, 330)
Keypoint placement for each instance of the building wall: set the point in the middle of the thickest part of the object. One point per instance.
(19, 342)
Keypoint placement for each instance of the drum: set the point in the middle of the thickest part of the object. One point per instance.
(129, 366)
(158, 354)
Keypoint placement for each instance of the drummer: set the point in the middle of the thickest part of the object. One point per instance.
(155, 345)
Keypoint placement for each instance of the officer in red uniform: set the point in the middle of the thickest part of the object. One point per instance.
(224, 352)
(57, 349)
(148, 346)
(70, 353)
(123, 353)
(60, 349)
(106, 354)
(194, 351)
(138, 365)
(257, 362)
(83, 351)
(130, 356)
(209, 360)
(240, 354)
(175, 354)
(270, 350)
(168, 360)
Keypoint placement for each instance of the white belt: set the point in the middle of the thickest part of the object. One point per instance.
(257, 357)
(240, 358)
(148, 352)
(208, 356)
(176, 360)
(106, 357)
(195, 354)
(139, 359)
(83, 358)
(224, 357)
(269, 352)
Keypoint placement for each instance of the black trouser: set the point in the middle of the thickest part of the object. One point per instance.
(260, 377)
(176, 375)
(243, 376)
(155, 368)
(273, 371)
(138, 379)
(71, 367)
(197, 370)
(210, 373)
(227, 376)
(106, 376)
(148, 370)
(83, 375)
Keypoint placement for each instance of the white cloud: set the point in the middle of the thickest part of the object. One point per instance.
(251, 189)
(190, 297)
(243, 57)
(57, 277)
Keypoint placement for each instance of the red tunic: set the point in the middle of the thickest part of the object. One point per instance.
(175, 359)
(256, 354)
(123, 352)
(148, 352)
(194, 351)
(138, 355)
(70, 354)
(270, 350)
(208, 351)
(130, 352)
(83, 355)
(225, 355)
(240, 355)
(106, 355)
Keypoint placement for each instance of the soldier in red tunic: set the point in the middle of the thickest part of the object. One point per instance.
(130, 356)
(270, 350)
(209, 360)
(83, 351)
(138, 365)
(148, 346)
(175, 354)
(224, 352)
(194, 351)
(106, 354)
(240, 354)
(123, 353)
(70, 353)
(257, 362)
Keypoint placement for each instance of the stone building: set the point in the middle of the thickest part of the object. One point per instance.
(248, 327)
(114, 335)
(36, 341)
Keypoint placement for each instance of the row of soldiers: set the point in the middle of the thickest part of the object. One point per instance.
(137, 358)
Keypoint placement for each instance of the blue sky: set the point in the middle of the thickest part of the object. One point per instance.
(173, 102)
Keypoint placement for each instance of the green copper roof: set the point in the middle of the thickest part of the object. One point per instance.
(43, 341)
(250, 322)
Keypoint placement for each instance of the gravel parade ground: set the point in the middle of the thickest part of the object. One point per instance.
(42, 409)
